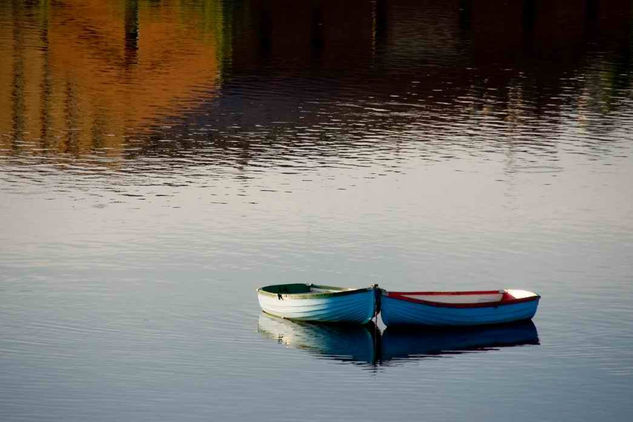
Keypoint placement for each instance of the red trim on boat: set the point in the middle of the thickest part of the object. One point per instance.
(506, 299)
(477, 292)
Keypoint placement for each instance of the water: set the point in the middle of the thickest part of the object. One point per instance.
(162, 159)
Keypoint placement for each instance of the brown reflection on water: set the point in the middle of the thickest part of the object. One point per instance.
(94, 76)
(79, 75)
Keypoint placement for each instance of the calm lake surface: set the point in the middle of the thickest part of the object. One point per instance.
(161, 159)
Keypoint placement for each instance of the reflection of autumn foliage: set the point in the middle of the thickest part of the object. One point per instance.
(85, 73)
(82, 75)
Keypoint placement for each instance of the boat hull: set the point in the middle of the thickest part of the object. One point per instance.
(396, 311)
(354, 307)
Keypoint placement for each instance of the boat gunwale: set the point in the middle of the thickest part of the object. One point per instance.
(503, 302)
(339, 291)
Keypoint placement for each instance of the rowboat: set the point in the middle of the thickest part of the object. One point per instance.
(458, 308)
(317, 303)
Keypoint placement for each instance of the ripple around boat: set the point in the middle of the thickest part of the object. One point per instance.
(364, 344)
(318, 303)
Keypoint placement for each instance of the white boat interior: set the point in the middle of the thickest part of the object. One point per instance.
(520, 294)
(456, 298)
(469, 297)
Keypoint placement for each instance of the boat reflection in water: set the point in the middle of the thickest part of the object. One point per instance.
(350, 343)
(417, 342)
(365, 345)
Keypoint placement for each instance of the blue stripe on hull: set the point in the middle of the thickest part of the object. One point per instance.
(397, 312)
(352, 308)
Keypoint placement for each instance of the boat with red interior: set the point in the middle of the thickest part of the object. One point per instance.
(467, 308)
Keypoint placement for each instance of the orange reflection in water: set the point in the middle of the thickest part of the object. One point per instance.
(82, 74)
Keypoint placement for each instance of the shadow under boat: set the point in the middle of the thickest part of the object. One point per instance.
(365, 345)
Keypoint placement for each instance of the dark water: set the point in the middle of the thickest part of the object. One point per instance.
(159, 160)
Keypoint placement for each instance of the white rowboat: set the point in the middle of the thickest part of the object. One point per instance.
(317, 303)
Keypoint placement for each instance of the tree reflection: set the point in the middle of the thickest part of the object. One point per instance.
(86, 73)
(109, 77)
